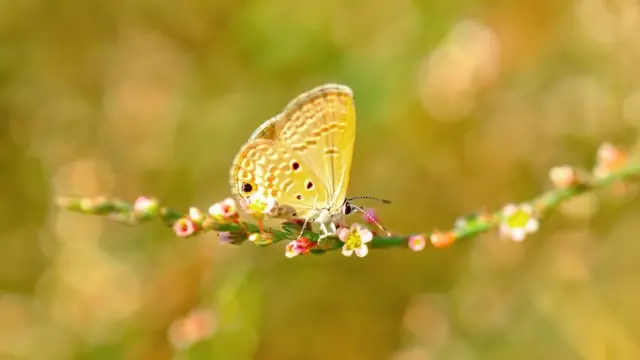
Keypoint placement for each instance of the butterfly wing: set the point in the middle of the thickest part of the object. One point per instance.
(267, 130)
(319, 127)
(272, 168)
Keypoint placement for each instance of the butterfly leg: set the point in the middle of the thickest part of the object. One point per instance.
(325, 231)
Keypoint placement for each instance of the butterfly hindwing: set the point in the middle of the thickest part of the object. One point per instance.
(267, 130)
(273, 169)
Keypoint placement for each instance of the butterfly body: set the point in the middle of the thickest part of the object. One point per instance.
(302, 157)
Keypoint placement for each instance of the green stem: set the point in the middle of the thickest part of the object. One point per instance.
(474, 225)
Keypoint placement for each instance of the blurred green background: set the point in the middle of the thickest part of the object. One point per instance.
(462, 106)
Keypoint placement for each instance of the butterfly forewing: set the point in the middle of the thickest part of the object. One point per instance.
(319, 125)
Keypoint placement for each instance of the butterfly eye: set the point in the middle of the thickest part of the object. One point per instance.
(247, 187)
(347, 209)
(309, 185)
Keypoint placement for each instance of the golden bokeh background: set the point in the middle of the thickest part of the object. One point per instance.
(462, 106)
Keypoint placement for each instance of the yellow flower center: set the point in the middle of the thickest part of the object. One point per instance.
(518, 219)
(257, 208)
(354, 241)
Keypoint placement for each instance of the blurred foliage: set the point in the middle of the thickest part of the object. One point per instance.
(462, 105)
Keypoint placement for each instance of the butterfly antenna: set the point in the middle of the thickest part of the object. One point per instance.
(384, 201)
(370, 218)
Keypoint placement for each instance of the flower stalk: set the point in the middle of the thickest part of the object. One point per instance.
(514, 221)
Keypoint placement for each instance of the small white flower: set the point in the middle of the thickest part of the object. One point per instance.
(224, 210)
(355, 240)
(518, 221)
(196, 214)
(417, 242)
(562, 177)
(261, 239)
(184, 227)
(300, 246)
(258, 205)
(292, 250)
(145, 204)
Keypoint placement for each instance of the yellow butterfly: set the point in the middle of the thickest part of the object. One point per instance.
(302, 157)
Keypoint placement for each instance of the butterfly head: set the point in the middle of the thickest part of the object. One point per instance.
(347, 207)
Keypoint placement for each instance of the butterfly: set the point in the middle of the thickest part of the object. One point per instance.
(302, 158)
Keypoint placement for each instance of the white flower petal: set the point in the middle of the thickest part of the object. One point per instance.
(509, 210)
(526, 208)
(518, 234)
(362, 251)
(195, 214)
(215, 210)
(346, 251)
(292, 250)
(365, 235)
(143, 203)
(532, 226)
(343, 234)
